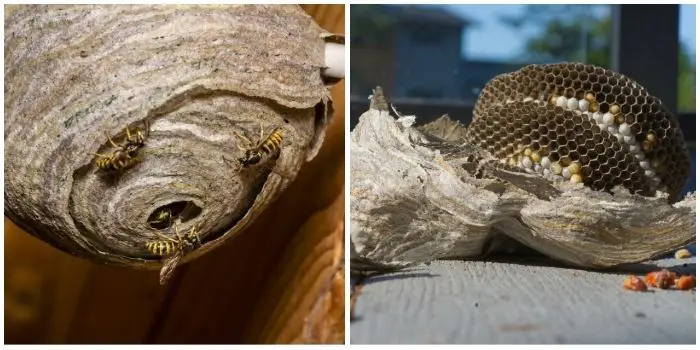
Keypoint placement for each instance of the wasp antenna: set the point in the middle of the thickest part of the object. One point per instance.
(128, 133)
(111, 141)
(262, 132)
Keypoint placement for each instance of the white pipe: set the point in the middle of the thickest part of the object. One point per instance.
(334, 61)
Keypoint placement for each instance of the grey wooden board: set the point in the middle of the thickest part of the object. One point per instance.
(457, 302)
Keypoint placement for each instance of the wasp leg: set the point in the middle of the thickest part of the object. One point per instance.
(112, 141)
(139, 136)
(100, 155)
(128, 134)
(177, 234)
(242, 137)
(232, 163)
(165, 237)
(199, 239)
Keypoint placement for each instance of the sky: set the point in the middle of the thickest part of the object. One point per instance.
(480, 43)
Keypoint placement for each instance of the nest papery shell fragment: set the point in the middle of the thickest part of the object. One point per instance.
(196, 74)
(412, 202)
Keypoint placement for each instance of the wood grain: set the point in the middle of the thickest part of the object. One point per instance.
(52, 297)
(489, 302)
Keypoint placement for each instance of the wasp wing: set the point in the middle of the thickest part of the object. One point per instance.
(166, 272)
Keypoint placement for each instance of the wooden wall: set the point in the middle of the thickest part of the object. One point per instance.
(281, 281)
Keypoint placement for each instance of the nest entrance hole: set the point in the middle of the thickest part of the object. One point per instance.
(164, 216)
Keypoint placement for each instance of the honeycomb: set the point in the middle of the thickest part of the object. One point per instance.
(581, 123)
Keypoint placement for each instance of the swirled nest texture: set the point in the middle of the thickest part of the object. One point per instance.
(196, 75)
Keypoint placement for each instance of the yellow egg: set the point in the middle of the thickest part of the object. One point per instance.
(593, 107)
(553, 99)
(556, 168)
(614, 109)
(575, 167)
(576, 178)
(619, 119)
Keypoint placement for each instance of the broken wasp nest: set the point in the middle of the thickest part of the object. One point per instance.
(559, 158)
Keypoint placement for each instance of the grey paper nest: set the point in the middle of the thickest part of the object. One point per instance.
(196, 74)
(440, 191)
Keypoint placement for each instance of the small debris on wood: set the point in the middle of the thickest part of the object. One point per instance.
(686, 282)
(683, 254)
(634, 283)
(663, 279)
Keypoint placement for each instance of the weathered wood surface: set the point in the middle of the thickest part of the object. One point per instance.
(52, 297)
(458, 302)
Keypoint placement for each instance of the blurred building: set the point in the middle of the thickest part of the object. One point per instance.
(418, 55)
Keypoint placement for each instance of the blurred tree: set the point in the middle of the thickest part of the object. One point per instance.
(583, 33)
(370, 24)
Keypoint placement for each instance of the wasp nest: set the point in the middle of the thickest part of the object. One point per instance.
(196, 81)
(445, 191)
(581, 123)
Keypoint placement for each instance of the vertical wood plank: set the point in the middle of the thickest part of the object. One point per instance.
(304, 297)
(52, 297)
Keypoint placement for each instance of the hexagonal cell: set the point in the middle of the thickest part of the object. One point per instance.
(554, 156)
(617, 181)
(620, 99)
(599, 150)
(607, 179)
(636, 128)
(615, 172)
(607, 143)
(565, 159)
